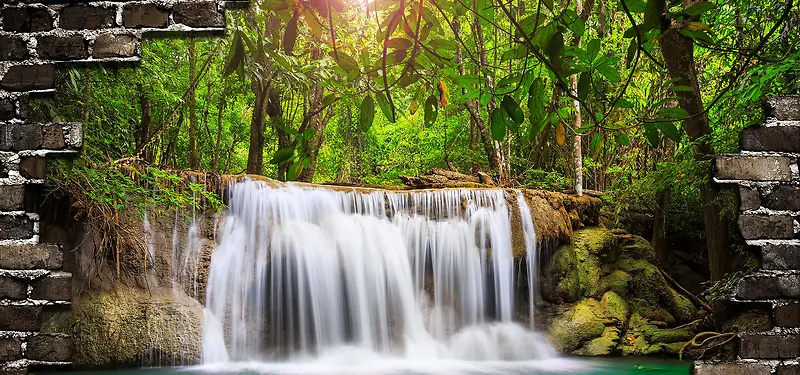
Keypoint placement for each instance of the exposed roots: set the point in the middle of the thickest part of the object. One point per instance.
(707, 341)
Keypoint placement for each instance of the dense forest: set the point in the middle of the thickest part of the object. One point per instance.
(632, 98)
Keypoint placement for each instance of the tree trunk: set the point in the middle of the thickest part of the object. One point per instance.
(193, 162)
(576, 145)
(317, 123)
(659, 242)
(255, 153)
(218, 142)
(678, 54)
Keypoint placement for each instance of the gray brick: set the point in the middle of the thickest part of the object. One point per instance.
(198, 14)
(783, 107)
(732, 369)
(33, 167)
(10, 349)
(15, 227)
(756, 168)
(780, 257)
(772, 138)
(787, 369)
(20, 318)
(750, 198)
(114, 45)
(29, 257)
(766, 227)
(144, 15)
(783, 197)
(76, 17)
(8, 109)
(788, 315)
(56, 47)
(53, 137)
(13, 288)
(12, 197)
(52, 288)
(13, 48)
(769, 346)
(26, 19)
(48, 348)
(29, 77)
(760, 287)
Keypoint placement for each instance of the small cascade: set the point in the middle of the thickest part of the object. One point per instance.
(304, 273)
(531, 254)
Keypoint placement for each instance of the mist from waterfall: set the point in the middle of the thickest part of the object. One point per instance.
(303, 273)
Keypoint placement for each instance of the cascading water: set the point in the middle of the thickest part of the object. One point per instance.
(302, 273)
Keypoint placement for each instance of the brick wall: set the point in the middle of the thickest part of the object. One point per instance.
(37, 37)
(766, 172)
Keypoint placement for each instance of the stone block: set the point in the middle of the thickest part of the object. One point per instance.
(78, 17)
(56, 47)
(33, 167)
(27, 19)
(144, 15)
(756, 227)
(756, 168)
(13, 288)
(73, 135)
(8, 109)
(766, 286)
(48, 348)
(114, 45)
(12, 47)
(30, 257)
(780, 257)
(769, 346)
(771, 138)
(12, 197)
(25, 136)
(788, 315)
(732, 369)
(198, 14)
(783, 107)
(749, 198)
(20, 318)
(22, 103)
(787, 369)
(10, 349)
(52, 288)
(783, 197)
(29, 77)
(15, 227)
(53, 137)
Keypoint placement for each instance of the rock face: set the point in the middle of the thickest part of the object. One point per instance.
(621, 303)
(130, 328)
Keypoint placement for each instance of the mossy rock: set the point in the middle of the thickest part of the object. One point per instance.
(131, 329)
(582, 323)
(616, 281)
(615, 307)
(605, 345)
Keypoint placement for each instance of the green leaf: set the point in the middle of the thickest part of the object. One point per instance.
(281, 156)
(669, 130)
(632, 48)
(592, 49)
(290, 35)
(548, 4)
(536, 101)
(623, 139)
(347, 63)
(498, 124)
(573, 22)
(583, 85)
(555, 52)
(596, 143)
(235, 56)
(699, 8)
(513, 110)
(652, 14)
(399, 43)
(697, 36)
(635, 6)
(676, 112)
(624, 103)
(651, 133)
(609, 72)
(681, 88)
(367, 113)
(328, 100)
(431, 110)
(386, 108)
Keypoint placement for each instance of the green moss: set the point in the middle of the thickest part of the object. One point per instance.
(670, 335)
(617, 281)
(566, 274)
(635, 247)
(584, 322)
(681, 307)
(615, 307)
(588, 244)
(602, 346)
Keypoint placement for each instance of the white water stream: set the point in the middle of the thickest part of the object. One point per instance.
(323, 276)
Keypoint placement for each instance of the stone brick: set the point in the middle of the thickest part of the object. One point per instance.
(33, 167)
(769, 346)
(757, 168)
(787, 369)
(10, 349)
(22, 103)
(53, 137)
(783, 107)
(780, 257)
(27, 19)
(759, 287)
(114, 45)
(26, 137)
(56, 47)
(12, 197)
(783, 197)
(52, 288)
(13, 48)
(8, 109)
(20, 318)
(77, 17)
(788, 315)
(198, 14)
(771, 138)
(144, 15)
(756, 227)
(749, 198)
(48, 348)
(13, 288)
(29, 77)
(15, 227)
(732, 369)
(30, 257)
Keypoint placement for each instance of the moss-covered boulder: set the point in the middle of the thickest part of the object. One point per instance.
(130, 328)
(622, 302)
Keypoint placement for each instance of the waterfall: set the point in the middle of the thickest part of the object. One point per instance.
(304, 272)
